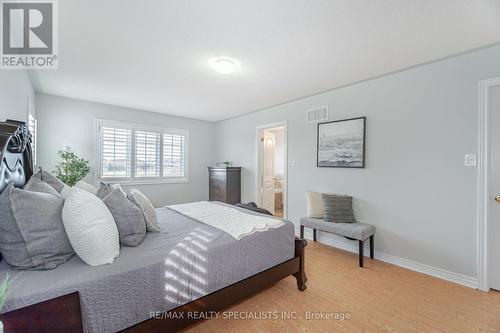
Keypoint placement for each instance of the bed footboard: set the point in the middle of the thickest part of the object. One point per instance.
(300, 246)
(58, 315)
(63, 315)
(171, 320)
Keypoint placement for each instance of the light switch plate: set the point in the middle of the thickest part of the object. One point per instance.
(291, 163)
(470, 160)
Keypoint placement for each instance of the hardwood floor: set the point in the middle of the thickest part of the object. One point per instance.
(278, 212)
(379, 298)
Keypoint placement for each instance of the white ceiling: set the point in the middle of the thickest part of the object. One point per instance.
(153, 55)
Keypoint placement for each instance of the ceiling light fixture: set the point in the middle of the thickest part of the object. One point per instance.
(223, 65)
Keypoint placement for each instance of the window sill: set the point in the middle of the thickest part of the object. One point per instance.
(143, 182)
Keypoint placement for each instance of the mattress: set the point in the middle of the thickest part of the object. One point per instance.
(183, 262)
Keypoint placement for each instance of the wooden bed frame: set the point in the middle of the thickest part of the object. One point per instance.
(63, 314)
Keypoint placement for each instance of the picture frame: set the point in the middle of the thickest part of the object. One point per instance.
(341, 143)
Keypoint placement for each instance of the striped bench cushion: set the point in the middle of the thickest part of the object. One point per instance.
(338, 208)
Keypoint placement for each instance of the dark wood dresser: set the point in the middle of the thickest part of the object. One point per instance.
(225, 184)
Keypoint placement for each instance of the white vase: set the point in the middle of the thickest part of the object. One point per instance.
(1, 327)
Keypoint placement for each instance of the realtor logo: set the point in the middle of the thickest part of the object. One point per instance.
(29, 34)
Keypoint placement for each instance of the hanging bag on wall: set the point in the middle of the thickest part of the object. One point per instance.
(16, 160)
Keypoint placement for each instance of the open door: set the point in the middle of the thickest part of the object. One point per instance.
(271, 166)
(494, 188)
(268, 140)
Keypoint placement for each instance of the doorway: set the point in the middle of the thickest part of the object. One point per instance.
(494, 186)
(489, 186)
(272, 168)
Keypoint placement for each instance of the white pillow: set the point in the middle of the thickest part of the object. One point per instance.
(315, 207)
(86, 186)
(91, 228)
(65, 191)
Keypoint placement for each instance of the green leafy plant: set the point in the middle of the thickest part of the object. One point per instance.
(71, 168)
(4, 286)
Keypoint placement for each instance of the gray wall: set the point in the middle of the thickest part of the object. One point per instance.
(15, 88)
(70, 122)
(415, 188)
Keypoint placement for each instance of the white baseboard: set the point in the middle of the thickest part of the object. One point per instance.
(351, 246)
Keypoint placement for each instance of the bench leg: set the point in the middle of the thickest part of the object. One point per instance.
(315, 234)
(372, 247)
(361, 257)
(302, 231)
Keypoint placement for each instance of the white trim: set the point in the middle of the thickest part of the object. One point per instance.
(283, 124)
(142, 126)
(350, 246)
(97, 153)
(139, 180)
(483, 182)
(147, 182)
(34, 133)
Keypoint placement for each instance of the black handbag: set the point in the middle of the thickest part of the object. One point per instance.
(16, 159)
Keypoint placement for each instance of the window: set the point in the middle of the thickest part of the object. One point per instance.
(116, 150)
(147, 154)
(32, 127)
(138, 154)
(173, 155)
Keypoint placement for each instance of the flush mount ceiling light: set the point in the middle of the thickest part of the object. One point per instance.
(223, 65)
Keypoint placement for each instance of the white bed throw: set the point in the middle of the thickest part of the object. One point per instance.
(228, 219)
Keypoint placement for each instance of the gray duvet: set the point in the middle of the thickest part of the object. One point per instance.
(183, 262)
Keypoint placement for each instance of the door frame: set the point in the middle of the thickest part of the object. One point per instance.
(259, 128)
(483, 182)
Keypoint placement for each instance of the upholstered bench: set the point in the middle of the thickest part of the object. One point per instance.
(352, 231)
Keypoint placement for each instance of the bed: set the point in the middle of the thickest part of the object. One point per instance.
(188, 266)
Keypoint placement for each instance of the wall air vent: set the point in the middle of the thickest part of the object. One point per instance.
(317, 114)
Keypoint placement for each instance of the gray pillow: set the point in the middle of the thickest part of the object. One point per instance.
(104, 190)
(128, 218)
(50, 179)
(338, 208)
(35, 184)
(149, 212)
(32, 234)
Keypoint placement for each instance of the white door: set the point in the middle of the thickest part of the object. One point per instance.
(267, 163)
(494, 189)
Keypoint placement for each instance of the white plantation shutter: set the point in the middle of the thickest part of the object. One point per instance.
(173, 155)
(116, 152)
(140, 154)
(147, 154)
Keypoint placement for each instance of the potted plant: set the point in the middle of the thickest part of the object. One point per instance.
(4, 286)
(71, 168)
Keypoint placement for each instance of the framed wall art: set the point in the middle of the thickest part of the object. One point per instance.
(341, 143)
